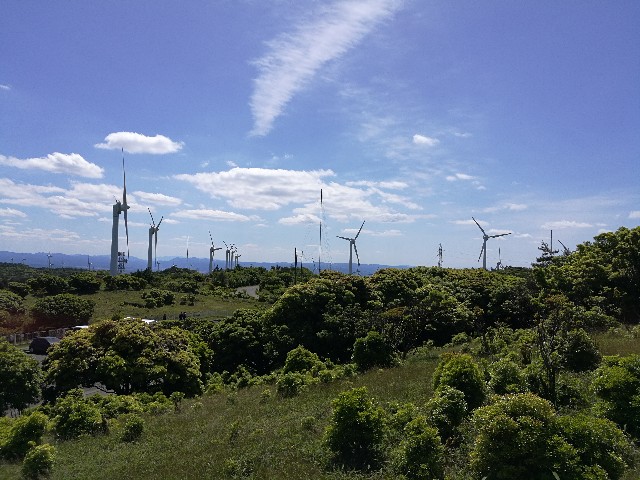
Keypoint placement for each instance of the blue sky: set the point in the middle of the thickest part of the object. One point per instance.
(412, 116)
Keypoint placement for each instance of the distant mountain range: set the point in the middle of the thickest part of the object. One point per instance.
(101, 262)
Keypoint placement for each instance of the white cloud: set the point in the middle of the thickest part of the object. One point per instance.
(293, 59)
(391, 185)
(469, 222)
(260, 188)
(11, 212)
(300, 219)
(137, 143)
(56, 162)
(426, 141)
(158, 199)
(565, 224)
(5, 87)
(206, 214)
(634, 214)
(459, 176)
(387, 233)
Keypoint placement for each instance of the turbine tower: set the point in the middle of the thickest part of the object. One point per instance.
(352, 247)
(153, 232)
(486, 237)
(118, 208)
(212, 250)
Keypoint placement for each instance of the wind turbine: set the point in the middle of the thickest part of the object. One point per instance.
(212, 250)
(118, 208)
(486, 237)
(352, 247)
(226, 258)
(153, 232)
(49, 259)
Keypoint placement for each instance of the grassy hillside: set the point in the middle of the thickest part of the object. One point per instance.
(253, 433)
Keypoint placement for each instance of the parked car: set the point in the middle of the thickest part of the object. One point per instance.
(40, 345)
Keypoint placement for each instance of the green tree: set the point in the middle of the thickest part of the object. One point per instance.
(48, 284)
(38, 462)
(356, 430)
(20, 378)
(446, 410)
(420, 454)
(372, 351)
(26, 430)
(599, 442)
(126, 356)
(459, 371)
(64, 310)
(85, 283)
(11, 303)
(617, 386)
(518, 437)
(301, 360)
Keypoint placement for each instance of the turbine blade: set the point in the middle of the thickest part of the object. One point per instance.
(356, 250)
(125, 206)
(344, 238)
(359, 230)
(158, 226)
(481, 250)
(500, 235)
(153, 222)
(479, 226)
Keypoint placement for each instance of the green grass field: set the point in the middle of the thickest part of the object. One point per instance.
(252, 433)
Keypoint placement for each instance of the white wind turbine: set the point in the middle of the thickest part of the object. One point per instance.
(118, 208)
(212, 250)
(153, 233)
(352, 247)
(486, 237)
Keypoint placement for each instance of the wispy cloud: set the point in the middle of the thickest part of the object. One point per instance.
(158, 198)
(424, 140)
(4, 86)
(137, 143)
(459, 176)
(634, 214)
(72, 164)
(207, 214)
(566, 224)
(293, 59)
(11, 212)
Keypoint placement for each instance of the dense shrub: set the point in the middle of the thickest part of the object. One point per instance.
(85, 283)
(20, 378)
(462, 373)
(617, 385)
(518, 437)
(420, 454)
(124, 282)
(11, 302)
(290, 384)
(62, 310)
(74, 415)
(21, 433)
(356, 430)
(48, 284)
(506, 377)
(19, 288)
(301, 360)
(372, 351)
(156, 298)
(38, 462)
(446, 410)
(579, 352)
(599, 442)
(132, 427)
